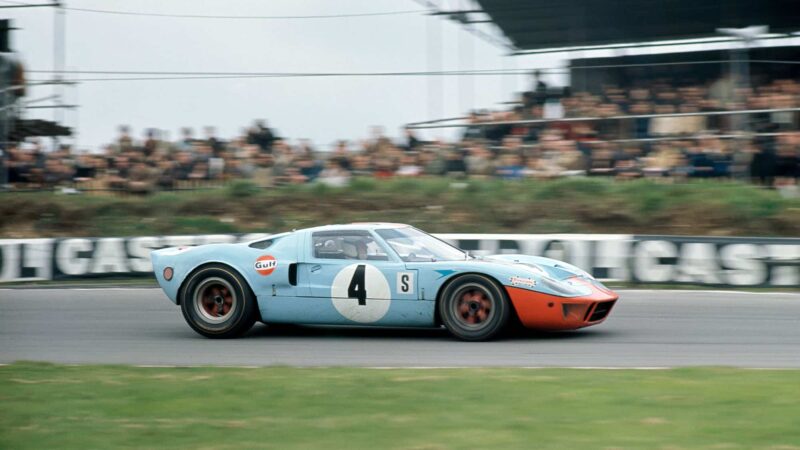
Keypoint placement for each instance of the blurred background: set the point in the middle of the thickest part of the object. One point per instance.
(671, 117)
(653, 143)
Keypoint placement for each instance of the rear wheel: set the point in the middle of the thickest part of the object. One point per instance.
(216, 302)
(474, 308)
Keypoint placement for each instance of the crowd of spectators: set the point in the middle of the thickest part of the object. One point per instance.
(659, 129)
(670, 147)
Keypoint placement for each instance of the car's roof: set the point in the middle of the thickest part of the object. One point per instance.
(358, 226)
(342, 226)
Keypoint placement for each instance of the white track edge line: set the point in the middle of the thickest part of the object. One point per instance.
(174, 366)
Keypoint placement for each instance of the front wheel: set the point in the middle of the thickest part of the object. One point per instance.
(474, 308)
(217, 303)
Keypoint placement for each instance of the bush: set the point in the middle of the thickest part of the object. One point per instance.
(242, 189)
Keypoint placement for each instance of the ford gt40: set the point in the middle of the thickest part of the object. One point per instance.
(374, 274)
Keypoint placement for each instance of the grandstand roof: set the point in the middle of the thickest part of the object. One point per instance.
(24, 128)
(538, 24)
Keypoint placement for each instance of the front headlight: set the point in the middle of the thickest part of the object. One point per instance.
(561, 289)
(576, 270)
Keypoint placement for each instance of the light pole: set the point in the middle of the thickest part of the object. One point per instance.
(740, 75)
(6, 96)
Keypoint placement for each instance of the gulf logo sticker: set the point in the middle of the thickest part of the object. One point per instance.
(266, 264)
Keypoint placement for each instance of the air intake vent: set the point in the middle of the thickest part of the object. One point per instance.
(601, 311)
(261, 244)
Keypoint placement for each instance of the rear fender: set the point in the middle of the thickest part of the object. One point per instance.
(185, 261)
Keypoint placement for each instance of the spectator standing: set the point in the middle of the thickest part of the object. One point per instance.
(454, 163)
(412, 142)
(262, 136)
(151, 144)
(216, 144)
(264, 173)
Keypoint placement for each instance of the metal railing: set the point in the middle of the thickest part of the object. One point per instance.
(437, 124)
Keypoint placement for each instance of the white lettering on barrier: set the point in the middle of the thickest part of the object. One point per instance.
(180, 241)
(581, 254)
(742, 265)
(36, 254)
(785, 261)
(26, 259)
(139, 250)
(557, 250)
(109, 256)
(698, 264)
(718, 261)
(68, 259)
(646, 261)
(9, 266)
(613, 256)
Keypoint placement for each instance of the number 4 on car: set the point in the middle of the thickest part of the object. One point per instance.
(374, 274)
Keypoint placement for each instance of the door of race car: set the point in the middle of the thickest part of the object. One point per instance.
(354, 271)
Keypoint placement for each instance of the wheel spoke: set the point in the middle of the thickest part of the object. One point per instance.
(473, 306)
(214, 299)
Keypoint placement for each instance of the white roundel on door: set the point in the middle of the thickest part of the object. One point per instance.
(361, 293)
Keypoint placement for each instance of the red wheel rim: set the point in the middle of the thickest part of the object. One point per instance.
(473, 306)
(215, 300)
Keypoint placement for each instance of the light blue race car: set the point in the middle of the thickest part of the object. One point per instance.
(374, 274)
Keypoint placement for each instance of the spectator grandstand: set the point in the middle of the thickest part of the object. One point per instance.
(663, 130)
(669, 116)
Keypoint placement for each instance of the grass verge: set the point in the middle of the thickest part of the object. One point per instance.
(53, 406)
(580, 205)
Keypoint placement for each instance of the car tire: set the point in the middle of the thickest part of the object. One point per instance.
(217, 302)
(474, 308)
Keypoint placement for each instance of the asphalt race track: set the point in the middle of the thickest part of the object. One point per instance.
(646, 329)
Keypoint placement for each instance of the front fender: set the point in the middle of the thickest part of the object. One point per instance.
(508, 273)
(556, 268)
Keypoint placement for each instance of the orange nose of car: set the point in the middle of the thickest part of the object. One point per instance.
(550, 312)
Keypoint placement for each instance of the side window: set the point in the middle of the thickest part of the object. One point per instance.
(353, 245)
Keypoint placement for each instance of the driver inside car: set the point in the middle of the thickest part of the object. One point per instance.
(354, 249)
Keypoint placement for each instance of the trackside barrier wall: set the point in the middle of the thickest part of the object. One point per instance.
(711, 261)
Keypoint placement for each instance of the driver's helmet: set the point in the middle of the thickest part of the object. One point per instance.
(354, 248)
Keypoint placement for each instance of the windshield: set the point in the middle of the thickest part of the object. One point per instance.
(413, 245)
